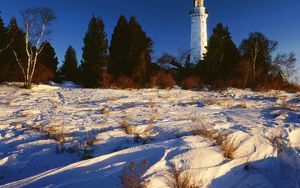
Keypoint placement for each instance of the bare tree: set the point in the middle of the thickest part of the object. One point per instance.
(36, 23)
(287, 65)
(166, 60)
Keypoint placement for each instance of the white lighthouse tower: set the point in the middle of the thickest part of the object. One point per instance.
(198, 31)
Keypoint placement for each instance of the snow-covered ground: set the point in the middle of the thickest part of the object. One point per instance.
(45, 133)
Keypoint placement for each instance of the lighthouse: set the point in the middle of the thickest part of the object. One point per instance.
(198, 32)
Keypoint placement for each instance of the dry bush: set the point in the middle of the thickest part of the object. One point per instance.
(86, 153)
(140, 135)
(180, 179)
(90, 141)
(105, 80)
(270, 84)
(162, 80)
(105, 111)
(287, 106)
(133, 130)
(124, 82)
(292, 87)
(276, 142)
(206, 133)
(191, 82)
(42, 74)
(243, 105)
(131, 175)
(219, 84)
(55, 133)
(226, 145)
(236, 83)
(127, 128)
(209, 101)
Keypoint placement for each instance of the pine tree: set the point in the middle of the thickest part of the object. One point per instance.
(69, 68)
(222, 57)
(130, 51)
(3, 41)
(46, 68)
(11, 69)
(95, 53)
(48, 57)
(140, 51)
(119, 49)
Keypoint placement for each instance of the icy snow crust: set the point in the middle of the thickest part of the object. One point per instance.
(28, 158)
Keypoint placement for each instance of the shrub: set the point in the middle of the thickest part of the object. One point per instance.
(276, 142)
(128, 129)
(210, 134)
(141, 135)
(226, 145)
(180, 179)
(55, 133)
(42, 74)
(105, 111)
(162, 80)
(191, 82)
(228, 148)
(105, 80)
(270, 84)
(131, 175)
(125, 82)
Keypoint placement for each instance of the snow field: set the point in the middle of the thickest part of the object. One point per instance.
(46, 133)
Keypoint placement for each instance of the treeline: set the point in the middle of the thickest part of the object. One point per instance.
(126, 61)
(251, 65)
(12, 40)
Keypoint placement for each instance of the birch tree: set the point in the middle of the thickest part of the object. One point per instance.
(257, 49)
(36, 28)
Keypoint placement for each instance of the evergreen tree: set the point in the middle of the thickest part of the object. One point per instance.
(11, 69)
(130, 51)
(4, 38)
(3, 41)
(95, 53)
(69, 68)
(48, 57)
(140, 51)
(222, 57)
(119, 49)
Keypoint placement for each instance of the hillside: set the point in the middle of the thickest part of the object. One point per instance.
(233, 138)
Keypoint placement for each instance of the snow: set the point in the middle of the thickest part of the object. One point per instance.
(263, 127)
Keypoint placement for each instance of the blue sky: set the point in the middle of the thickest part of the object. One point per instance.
(167, 22)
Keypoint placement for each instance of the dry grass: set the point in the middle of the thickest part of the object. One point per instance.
(209, 101)
(105, 111)
(127, 128)
(287, 106)
(222, 140)
(147, 131)
(131, 175)
(228, 148)
(199, 129)
(142, 134)
(178, 179)
(55, 133)
(276, 142)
